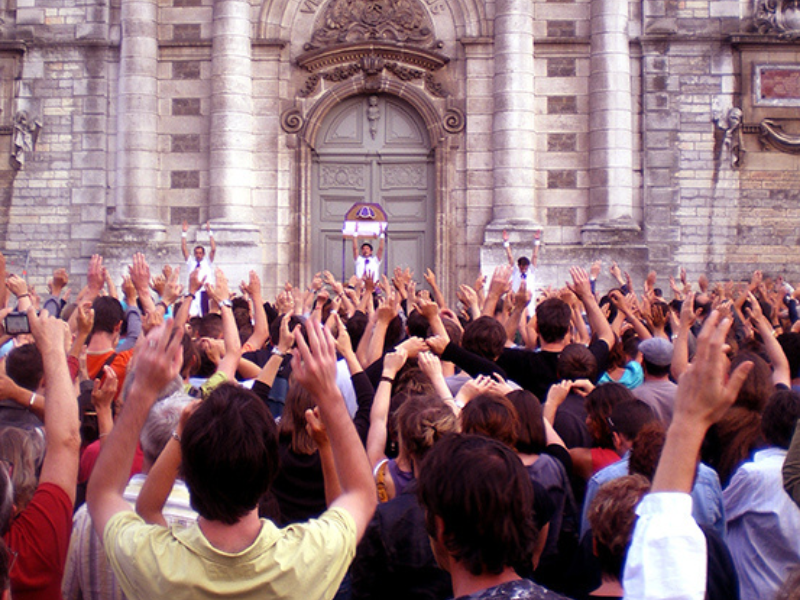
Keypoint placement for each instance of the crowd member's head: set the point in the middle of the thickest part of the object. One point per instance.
(108, 315)
(553, 318)
(293, 420)
(790, 343)
(647, 449)
(478, 501)
(161, 422)
(485, 337)
(6, 496)
(733, 439)
(24, 449)
(422, 421)
(454, 330)
(230, 453)
(576, 361)
(356, 325)
(493, 416)
(612, 516)
(779, 418)
(599, 404)
(366, 249)
(211, 326)
(24, 366)
(199, 253)
(531, 433)
(524, 263)
(656, 356)
(191, 357)
(756, 389)
(626, 420)
(417, 325)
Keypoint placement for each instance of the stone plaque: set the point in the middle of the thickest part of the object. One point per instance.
(777, 85)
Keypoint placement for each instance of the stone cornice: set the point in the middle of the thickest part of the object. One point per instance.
(348, 53)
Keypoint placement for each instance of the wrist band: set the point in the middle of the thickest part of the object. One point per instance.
(189, 296)
(387, 379)
(537, 242)
(506, 244)
(32, 400)
(23, 296)
(276, 352)
(210, 234)
(382, 236)
(102, 435)
(164, 304)
(183, 234)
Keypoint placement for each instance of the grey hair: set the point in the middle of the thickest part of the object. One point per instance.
(161, 422)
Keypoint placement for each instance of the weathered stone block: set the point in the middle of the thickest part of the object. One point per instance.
(187, 31)
(562, 142)
(560, 29)
(186, 69)
(561, 67)
(562, 105)
(184, 179)
(189, 142)
(562, 179)
(185, 106)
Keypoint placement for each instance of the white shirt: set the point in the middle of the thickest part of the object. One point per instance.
(368, 263)
(763, 525)
(207, 271)
(667, 558)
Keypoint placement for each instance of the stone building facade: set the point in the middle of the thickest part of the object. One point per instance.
(656, 133)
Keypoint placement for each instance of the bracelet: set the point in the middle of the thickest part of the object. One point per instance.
(162, 303)
(387, 379)
(276, 352)
(174, 435)
(189, 296)
(102, 435)
(23, 296)
(32, 400)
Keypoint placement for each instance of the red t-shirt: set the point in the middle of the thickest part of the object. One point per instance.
(92, 451)
(602, 457)
(40, 537)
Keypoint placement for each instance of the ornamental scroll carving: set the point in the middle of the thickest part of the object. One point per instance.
(777, 16)
(772, 134)
(354, 21)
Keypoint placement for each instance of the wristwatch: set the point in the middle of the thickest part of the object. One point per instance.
(227, 303)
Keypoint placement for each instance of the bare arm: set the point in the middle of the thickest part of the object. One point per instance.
(260, 323)
(157, 362)
(233, 344)
(314, 366)
(61, 422)
(379, 414)
(184, 246)
(213, 250)
(680, 353)
(598, 322)
(781, 373)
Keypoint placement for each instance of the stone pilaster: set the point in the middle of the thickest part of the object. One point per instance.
(136, 197)
(513, 131)
(610, 126)
(231, 144)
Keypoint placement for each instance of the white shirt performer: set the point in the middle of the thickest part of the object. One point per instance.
(522, 268)
(366, 261)
(199, 260)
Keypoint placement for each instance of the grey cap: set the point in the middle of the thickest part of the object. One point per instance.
(657, 351)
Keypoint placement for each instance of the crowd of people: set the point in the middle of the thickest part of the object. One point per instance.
(369, 438)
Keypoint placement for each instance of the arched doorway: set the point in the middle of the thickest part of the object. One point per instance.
(373, 148)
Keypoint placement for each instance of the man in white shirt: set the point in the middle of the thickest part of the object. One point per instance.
(366, 261)
(524, 268)
(199, 260)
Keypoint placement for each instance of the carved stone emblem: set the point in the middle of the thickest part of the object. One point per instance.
(353, 21)
(777, 16)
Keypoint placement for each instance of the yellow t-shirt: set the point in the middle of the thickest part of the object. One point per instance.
(305, 561)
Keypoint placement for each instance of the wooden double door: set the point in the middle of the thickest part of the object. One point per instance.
(373, 148)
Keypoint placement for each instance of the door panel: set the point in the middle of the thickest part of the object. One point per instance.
(373, 151)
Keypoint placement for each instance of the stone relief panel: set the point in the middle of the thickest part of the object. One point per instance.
(777, 16)
(353, 21)
(341, 176)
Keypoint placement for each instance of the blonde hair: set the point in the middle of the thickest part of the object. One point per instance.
(422, 421)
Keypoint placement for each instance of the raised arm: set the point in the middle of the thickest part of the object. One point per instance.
(233, 343)
(61, 422)
(213, 249)
(781, 373)
(260, 323)
(507, 248)
(582, 288)
(379, 415)
(140, 277)
(314, 367)
(184, 245)
(157, 362)
(668, 551)
(680, 354)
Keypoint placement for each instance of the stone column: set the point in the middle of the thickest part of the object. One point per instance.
(513, 133)
(231, 144)
(136, 192)
(610, 121)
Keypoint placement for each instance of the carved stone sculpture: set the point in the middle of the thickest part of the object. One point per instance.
(352, 21)
(26, 131)
(777, 16)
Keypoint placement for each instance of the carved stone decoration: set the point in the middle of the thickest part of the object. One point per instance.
(352, 21)
(292, 120)
(339, 176)
(404, 176)
(777, 16)
(730, 122)
(372, 65)
(26, 131)
(772, 134)
(373, 115)
(454, 121)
